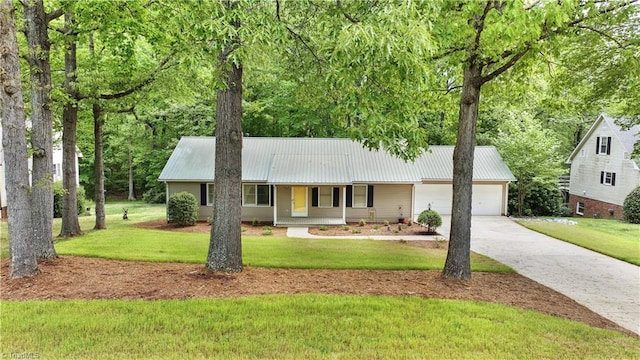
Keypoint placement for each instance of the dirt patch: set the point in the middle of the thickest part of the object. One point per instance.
(70, 277)
(356, 229)
(204, 227)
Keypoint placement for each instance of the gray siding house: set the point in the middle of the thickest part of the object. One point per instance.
(289, 181)
(603, 171)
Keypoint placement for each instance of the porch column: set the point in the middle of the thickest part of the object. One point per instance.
(344, 204)
(275, 205)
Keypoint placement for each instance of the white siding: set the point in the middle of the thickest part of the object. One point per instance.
(204, 212)
(585, 170)
(387, 201)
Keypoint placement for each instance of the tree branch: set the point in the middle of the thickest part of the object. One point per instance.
(54, 15)
(479, 27)
(603, 34)
(514, 59)
(346, 15)
(152, 77)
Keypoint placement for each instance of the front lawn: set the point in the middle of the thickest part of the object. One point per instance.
(610, 237)
(129, 243)
(300, 327)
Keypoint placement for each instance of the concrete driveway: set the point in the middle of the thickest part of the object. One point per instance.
(603, 284)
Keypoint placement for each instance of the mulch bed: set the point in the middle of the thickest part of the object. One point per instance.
(70, 277)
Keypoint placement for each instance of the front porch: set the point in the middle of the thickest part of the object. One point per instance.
(308, 221)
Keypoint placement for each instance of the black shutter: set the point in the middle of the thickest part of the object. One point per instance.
(203, 194)
(609, 145)
(613, 179)
(336, 197)
(314, 196)
(598, 145)
(370, 196)
(601, 177)
(272, 194)
(349, 196)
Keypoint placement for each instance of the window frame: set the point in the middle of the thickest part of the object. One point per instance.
(579, 206)
(210, 193)
(328, 189)
(359, 205)
(256, 195)
(608, 178)
(604, 145)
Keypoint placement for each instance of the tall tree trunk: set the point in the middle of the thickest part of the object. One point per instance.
(70, 224)
(98, 167)
(225, 246)
(41, 128)
(132, 190)
(458, 263)
(22, 258)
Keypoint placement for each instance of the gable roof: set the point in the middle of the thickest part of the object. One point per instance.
(627, 138)
(325, 161)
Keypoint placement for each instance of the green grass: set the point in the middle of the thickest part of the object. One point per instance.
(139, 211)
(609, 237)
(165, 246)
(300, 327)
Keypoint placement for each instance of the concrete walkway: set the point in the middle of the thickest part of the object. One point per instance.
(605, 285)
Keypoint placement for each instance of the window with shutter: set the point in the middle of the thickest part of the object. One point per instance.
(603, 145)
(359, 196)
(608, 178)
(325, 196)
(256, 195)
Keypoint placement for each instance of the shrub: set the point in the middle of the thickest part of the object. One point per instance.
(362, 222)
(267, 230)
(155, 196)
(81, 200)
(58, 194)
(542, 199)
(182, 209)
(631, 207)
(431, 219)
(324, 228)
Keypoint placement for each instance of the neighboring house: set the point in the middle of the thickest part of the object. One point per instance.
(290, 181)
(57, 169)
(603, 172)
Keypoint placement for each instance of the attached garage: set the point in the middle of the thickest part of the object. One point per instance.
(488, 198)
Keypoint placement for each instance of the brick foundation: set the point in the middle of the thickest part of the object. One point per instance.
(595, 208)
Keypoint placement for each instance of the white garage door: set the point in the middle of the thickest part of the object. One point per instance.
(487, 199)
(436, 196)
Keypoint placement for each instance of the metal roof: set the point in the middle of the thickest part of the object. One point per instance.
(325, 161)
(437, 164)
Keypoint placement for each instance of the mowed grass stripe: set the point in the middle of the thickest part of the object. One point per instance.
(613, 238)
(166, 246)
(300, 326)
